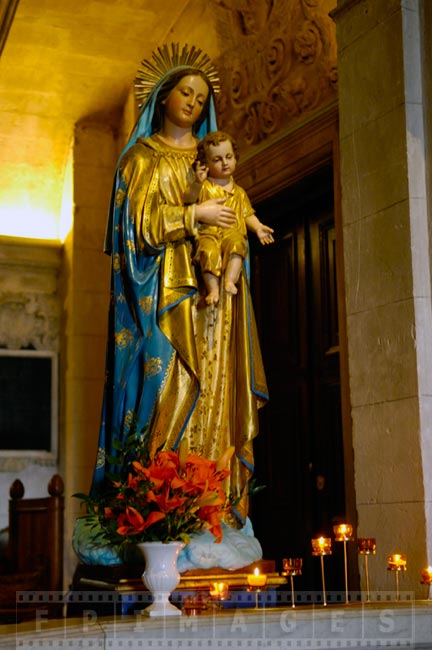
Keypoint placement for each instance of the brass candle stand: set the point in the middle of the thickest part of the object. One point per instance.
(257, 582)
(322, 546)
(292, 566)
(426, 579)
(366, 546)
(343, 533)
(397, 562)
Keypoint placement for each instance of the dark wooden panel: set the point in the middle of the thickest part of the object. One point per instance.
(299, 452)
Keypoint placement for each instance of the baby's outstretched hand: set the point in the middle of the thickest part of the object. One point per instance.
(264, 234)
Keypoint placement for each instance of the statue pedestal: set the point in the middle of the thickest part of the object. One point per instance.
(119, 589)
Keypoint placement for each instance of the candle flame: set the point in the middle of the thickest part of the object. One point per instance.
(256, 571)
(219, 589)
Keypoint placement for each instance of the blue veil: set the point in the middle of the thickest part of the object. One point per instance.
(135, 336)
(143, 126)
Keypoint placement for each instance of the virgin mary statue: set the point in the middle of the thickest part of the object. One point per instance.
(175, 366)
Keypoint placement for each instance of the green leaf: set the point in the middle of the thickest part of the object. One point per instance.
(253, 488)
(81, 495)
(114, 460)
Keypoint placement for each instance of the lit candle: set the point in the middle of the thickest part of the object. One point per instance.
(397, 562)
(219, 590)
(342, 532)
(321, 546)
(257, 579)
(426, 575)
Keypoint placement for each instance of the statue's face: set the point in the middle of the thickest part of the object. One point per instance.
(221, 160)
(185, 103)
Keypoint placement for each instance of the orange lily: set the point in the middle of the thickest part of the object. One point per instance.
(167, 503)
(132, 521)
(211, 515)
(184, 488)
(210, 499)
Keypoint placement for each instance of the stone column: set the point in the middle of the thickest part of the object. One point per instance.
(86, 300)
(387, 278)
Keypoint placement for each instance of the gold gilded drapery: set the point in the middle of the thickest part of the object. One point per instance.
(216, 348)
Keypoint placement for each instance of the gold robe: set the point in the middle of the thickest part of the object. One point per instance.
(210, 379)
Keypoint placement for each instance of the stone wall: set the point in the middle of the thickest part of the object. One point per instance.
(85, 294)
(387, 276)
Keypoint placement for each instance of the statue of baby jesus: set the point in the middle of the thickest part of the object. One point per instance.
(221, 251)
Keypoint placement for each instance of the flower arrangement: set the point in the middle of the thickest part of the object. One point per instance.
(165, 498)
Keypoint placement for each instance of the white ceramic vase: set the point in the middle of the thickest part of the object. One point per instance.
(161, 575)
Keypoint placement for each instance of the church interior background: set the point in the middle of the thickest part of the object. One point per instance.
(331, 105)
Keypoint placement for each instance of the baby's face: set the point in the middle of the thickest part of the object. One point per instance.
(221, 160)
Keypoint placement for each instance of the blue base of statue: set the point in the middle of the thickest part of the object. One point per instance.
(237, 549)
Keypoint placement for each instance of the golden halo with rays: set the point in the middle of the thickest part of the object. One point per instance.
(165, 60)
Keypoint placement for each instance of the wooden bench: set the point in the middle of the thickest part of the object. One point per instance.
(34, 554)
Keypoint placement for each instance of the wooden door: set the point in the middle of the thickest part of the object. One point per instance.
(299, 451)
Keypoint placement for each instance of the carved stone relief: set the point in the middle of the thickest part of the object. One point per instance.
(29, 321)
(278, 64)
(29, 299)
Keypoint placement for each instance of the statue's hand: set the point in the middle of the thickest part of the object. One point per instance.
(201, 172)
(265, 234)
(214, 213)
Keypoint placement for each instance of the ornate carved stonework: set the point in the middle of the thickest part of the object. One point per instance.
(29, 298)
(278, 64)
(29, 320)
